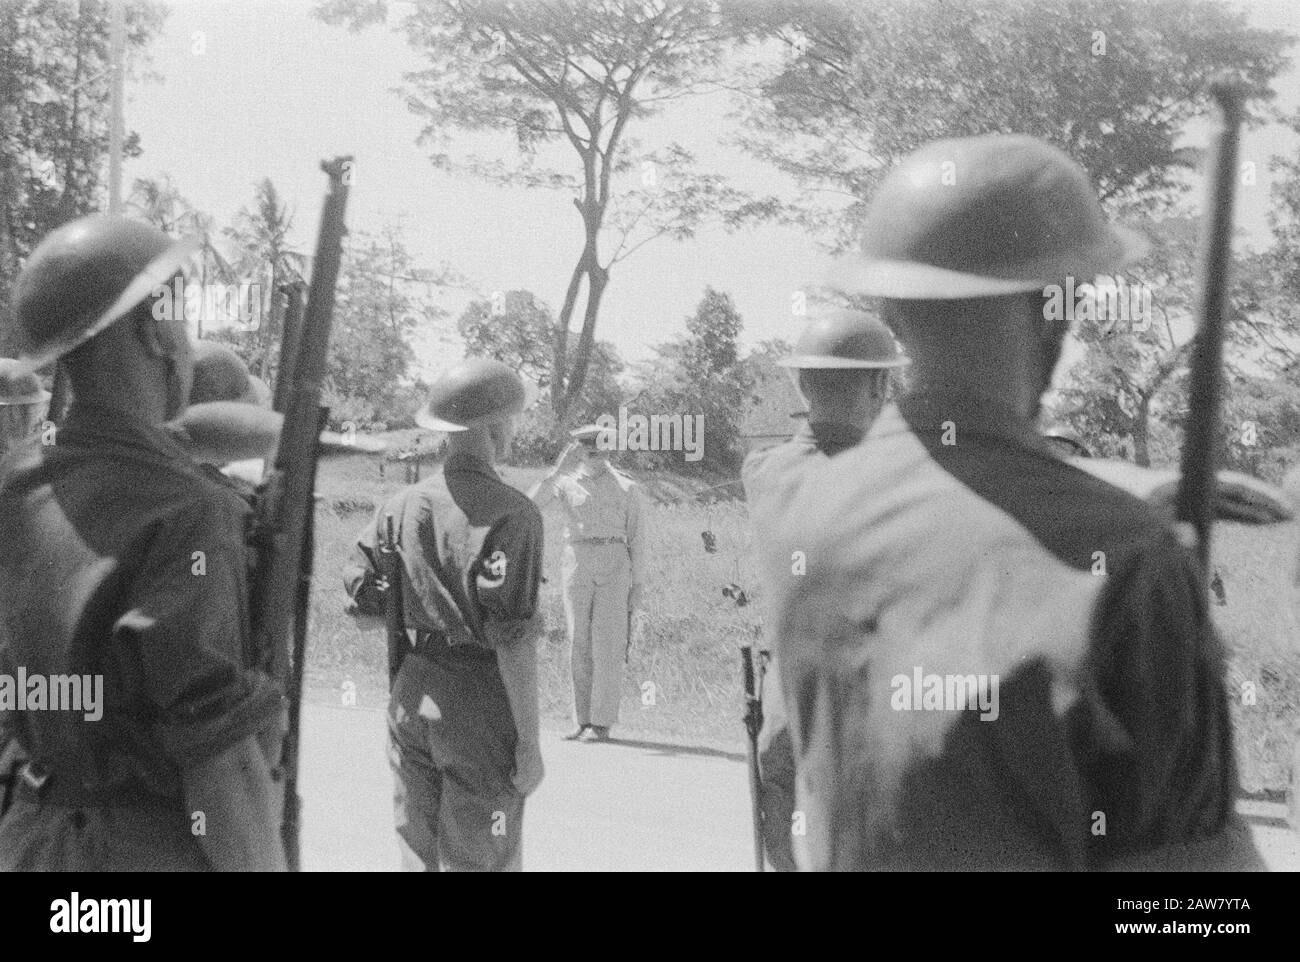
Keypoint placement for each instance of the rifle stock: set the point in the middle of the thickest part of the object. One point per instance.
(1196, 490)
(286, 500)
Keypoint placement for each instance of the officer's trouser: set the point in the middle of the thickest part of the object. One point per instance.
(597, 579)
(452, 749)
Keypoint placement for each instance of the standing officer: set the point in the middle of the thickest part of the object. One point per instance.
(604, 571)
(843, 360)
(23, 404)
(122, 565)
(463, 717)
(993, 659)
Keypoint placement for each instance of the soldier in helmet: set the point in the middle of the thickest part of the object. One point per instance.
(992, 659)
(229, 427)
(842, 361)
(23, 403)
(123, 567)
(463, 716)
(604, 571)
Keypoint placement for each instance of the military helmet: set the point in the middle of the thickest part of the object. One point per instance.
(19, 385)
(86, 275)
(475, 392)
(984, 217)
(845, 339)
(221, 375)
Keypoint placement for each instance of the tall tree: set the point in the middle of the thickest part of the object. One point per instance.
(574, 75)
(261, 235)
(54, 67)
(1132, 375)
(158, 201)
(516, 327)
(702, 374)
(384, 302)
(1111, 82)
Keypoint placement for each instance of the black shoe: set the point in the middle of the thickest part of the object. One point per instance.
(596, 733)
(577, 733)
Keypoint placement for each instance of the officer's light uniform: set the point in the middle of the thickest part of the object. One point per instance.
(845, 340)
(604, 556)
(994, 660)
(471, 548)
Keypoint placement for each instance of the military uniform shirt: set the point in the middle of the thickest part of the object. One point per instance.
(119, 559)
(952, 545)
(472, 552)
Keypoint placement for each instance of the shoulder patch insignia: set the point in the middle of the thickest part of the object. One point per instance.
(493, 574)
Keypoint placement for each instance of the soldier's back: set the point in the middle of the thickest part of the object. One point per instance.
(1015, 650)
(119, 561)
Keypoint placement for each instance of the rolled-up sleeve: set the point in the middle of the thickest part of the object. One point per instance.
(507, 575)
(186, 632)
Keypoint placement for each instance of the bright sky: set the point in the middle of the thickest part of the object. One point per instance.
(246, 89)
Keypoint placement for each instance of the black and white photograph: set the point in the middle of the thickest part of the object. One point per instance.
(650, 436)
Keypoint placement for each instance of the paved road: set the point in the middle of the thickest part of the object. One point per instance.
(608, 807)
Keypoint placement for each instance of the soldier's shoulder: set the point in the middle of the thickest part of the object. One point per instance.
(776, 459)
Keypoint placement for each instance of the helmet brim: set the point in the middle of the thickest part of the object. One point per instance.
(156, 273)
(429, 422)
(830, 362)
(913, 280)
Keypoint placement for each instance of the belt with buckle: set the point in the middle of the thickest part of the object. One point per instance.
(434, 644)
(43, 786)
(617, 539)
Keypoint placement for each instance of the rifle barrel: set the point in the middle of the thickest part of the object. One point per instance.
(1200, 442)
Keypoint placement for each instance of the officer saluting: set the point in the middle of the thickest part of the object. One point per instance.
(993, 659)
(463, 717)
(604, 571)
(843, 362)
(122, 566)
